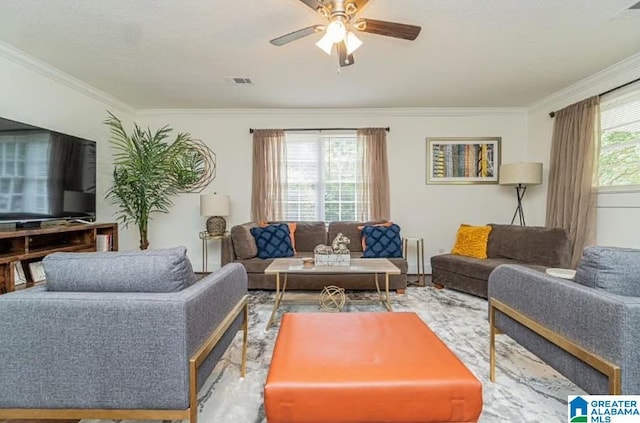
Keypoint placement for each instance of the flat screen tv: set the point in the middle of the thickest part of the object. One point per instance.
(45, 175)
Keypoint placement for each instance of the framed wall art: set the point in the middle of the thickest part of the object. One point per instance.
(463, 160)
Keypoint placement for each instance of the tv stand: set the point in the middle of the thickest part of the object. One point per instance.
(30, 245)
(29, 225)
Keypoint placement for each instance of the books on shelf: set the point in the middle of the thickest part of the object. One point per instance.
(37, 271)
(18, 274)
(103, 242)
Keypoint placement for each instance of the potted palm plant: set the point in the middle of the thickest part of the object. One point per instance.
(149, 170)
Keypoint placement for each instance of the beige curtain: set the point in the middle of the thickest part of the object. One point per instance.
(375, 174)
(571, 200)
(269, 175)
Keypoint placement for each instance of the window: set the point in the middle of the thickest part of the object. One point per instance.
(324, 177)
(619, 156)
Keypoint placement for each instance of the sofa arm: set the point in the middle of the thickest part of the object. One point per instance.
(227, 254)
(107, 350)
(207, 304)
(602, 323)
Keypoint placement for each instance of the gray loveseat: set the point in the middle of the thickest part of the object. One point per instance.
(594, 319)
(240, 247)
(533, 246)
(71, 349)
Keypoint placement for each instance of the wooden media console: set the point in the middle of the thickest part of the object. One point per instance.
(31, 245)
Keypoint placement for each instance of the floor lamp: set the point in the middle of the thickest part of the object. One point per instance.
(521, 175)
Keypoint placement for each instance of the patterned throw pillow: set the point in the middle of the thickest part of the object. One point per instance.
(292, 231)
(273, 241)
(471, 241)
(382, 241)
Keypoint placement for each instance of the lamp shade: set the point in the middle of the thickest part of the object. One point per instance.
(521, 173)
(214, 205)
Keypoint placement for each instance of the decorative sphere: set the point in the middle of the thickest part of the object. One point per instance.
(332, 298)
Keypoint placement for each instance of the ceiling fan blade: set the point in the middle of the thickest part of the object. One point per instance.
(389, 29)
(314, 4)
(344, 58)
(296, 35)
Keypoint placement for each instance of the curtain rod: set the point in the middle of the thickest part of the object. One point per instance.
(553, 114)
(320, 129)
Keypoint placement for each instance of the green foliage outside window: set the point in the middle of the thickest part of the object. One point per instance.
(619, 162)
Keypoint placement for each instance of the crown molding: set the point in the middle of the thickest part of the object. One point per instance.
(592, 85)
(341, 112)
(23, 59)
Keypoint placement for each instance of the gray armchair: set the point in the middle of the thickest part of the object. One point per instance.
(73, 351)
(587, 329)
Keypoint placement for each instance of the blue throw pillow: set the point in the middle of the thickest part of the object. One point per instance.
(382, 241)
(273, 241)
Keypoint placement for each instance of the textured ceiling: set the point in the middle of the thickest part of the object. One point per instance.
(176, 54)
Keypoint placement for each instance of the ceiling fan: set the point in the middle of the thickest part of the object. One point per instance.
(340, 29)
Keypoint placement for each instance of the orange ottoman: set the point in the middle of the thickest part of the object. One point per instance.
(366, 367)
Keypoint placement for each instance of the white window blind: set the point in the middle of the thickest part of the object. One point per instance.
(619, 155)
(324, 177)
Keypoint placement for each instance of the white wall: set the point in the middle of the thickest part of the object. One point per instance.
(618, 221)
(36, 94)
(433, 212)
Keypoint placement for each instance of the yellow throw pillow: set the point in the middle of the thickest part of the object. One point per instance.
(471, 241)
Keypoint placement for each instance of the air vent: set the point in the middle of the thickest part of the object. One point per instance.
(238, 81)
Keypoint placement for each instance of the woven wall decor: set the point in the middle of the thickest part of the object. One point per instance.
(203, 160)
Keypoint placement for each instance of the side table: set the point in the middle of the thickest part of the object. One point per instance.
(206, 236)
(419, 243)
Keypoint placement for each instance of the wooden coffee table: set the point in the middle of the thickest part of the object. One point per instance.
(283, 266)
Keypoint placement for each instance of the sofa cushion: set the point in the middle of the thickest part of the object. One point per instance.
(310, 234)
(273, 241)
(167, 270)
(529, 244)
(612, 269)
(471, 241)
(468, 266)
(382, 241)
(244, 244)
(255, 265)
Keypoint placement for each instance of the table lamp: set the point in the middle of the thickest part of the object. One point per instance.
(216, 206)
(521, 175)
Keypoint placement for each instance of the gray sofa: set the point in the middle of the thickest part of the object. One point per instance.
(597, 316)
(240, 247)
(70, 348)
(533, 246)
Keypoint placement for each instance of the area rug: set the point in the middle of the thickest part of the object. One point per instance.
(526, 389)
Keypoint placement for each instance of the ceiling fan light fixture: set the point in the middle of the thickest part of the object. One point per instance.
(336, 30)
(352, 42)
(325, 44)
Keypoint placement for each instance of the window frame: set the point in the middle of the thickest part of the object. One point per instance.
(611, 101)
(321, 181)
